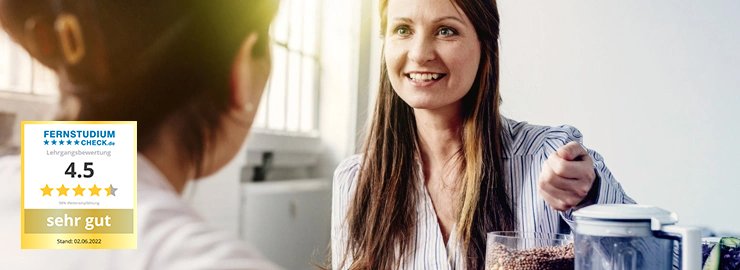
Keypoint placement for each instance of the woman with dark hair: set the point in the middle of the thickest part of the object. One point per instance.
(190, 72)
(440, 166)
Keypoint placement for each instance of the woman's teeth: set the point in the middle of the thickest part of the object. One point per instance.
(425, 76)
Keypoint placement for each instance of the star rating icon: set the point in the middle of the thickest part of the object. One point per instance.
(47, 190)
(111, 190)
(94, 190)
(79, 190)
(62, 190)
(46, 142)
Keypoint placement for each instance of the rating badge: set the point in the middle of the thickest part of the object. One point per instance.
(78, 186)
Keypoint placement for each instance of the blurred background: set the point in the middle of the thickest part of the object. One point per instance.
(654, 86)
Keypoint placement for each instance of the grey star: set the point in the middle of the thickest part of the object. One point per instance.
(112, 190)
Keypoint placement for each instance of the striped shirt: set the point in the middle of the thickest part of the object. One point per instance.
(525, 148)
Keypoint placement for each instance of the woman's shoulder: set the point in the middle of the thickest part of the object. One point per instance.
(522, 138)
(346, 172)
(348, 168)
(10, 165)
(10, 180)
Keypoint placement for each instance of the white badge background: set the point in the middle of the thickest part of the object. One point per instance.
(41, 169)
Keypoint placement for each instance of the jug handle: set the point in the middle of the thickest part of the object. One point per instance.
(690, 239)
(620, 263)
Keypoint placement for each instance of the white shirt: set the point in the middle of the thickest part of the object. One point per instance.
(525, 148)
(170, 234)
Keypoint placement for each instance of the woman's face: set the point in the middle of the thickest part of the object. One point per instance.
(431, 52)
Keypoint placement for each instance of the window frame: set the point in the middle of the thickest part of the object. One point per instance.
(37, 74)
(291, 149)
(282, 39)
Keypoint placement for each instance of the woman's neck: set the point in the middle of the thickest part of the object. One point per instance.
(439, 135)
(164, 154)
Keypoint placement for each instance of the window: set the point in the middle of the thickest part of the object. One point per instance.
(19, 73)
(289, 103)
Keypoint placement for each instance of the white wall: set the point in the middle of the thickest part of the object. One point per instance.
(653, 85)
(342, 83)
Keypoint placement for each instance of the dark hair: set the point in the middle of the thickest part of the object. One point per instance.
(382, 213)
(146, 61)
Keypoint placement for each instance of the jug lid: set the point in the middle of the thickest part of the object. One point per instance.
(627, 212)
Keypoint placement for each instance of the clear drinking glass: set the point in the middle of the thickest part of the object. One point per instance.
(528, 250)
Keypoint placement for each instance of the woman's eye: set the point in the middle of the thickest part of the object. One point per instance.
(446, 32)
(402, 31)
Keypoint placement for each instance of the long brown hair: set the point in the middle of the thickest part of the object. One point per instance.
(382, 214)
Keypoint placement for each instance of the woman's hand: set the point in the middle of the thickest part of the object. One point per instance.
(566, 177)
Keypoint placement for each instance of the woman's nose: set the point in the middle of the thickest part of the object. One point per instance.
(421, 50)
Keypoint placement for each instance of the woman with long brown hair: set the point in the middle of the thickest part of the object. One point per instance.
(440, 166)
(190, 72)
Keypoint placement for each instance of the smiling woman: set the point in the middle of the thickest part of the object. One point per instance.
(440, 166)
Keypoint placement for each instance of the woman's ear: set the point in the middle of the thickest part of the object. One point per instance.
(240, 73)
(249, 75)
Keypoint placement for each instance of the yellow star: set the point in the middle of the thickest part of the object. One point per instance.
(62, 190)
(79, 191)
(47, 190)
(94, 190)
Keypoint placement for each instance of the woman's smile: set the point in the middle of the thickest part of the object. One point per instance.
(424, 79)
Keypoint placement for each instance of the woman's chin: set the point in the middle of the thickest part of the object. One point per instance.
(425, 105)
(427, 100)
(420, 104)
